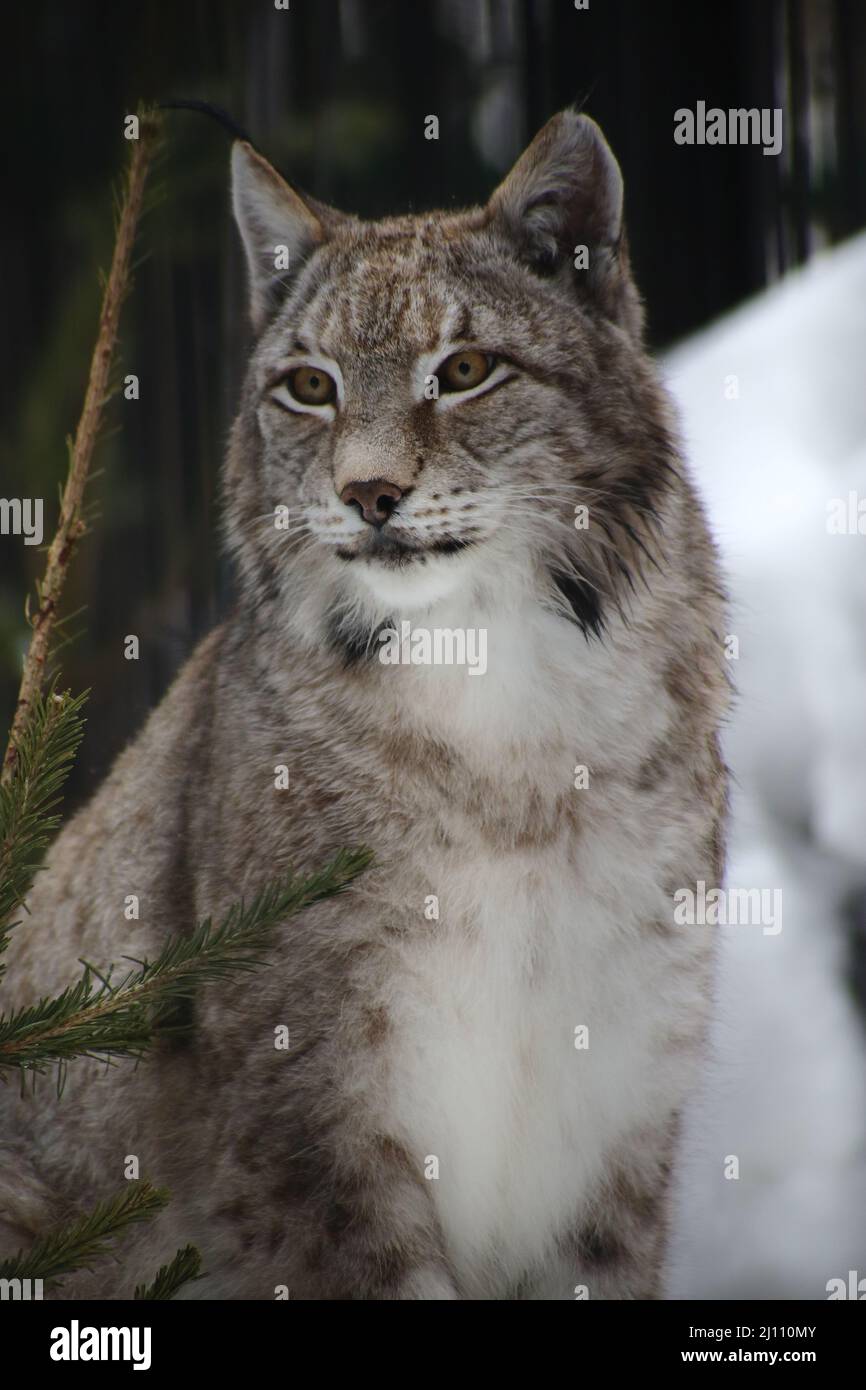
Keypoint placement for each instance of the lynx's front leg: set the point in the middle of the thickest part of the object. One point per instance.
(380, 1234)
(348, 1218)
(616, 1248)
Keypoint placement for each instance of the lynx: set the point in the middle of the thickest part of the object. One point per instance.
(494, 1031)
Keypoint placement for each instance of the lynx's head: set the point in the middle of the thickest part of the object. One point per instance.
(446, 403)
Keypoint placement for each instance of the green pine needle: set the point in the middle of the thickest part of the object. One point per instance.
(44, 755)
(77, 1245)
(98, 1017)
(184, 1268)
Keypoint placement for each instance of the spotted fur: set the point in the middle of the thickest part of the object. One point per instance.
(432, 1131)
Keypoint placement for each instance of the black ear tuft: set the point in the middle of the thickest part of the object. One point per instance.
(208, 108)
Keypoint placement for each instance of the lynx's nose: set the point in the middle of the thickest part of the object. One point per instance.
(375, 499)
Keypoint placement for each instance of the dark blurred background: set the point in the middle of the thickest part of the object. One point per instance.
(335, 92)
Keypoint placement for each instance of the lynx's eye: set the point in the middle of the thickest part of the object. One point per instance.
(311, 386)
(463, 370)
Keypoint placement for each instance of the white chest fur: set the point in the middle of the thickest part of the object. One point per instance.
(535, 949)
(530, 1018)
(488, 1080)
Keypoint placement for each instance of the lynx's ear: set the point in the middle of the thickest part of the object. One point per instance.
(279, 228)
(561, 206)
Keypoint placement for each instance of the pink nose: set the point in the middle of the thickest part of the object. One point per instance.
(375, 499)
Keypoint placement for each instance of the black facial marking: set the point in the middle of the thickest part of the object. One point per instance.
(464, 328)
(584, 601)
(450, 545)
(354, 643)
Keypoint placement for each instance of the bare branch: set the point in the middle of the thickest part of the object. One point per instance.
(71, 525)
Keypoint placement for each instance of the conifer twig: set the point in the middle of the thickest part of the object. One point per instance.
(71, 525)
(185, 1266)
(108, 1019)
(46, 750)
(86, 1239)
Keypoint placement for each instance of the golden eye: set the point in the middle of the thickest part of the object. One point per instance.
(312, 386)
(463, 370)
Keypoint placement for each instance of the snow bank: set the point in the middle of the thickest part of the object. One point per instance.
(773, 406)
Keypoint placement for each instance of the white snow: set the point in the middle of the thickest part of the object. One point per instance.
(787, 1092)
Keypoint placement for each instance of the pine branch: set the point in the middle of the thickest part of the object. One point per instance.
(47, 747)
(77, 1245)
(72, 525)
(184, 1268)
(111, 1020)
